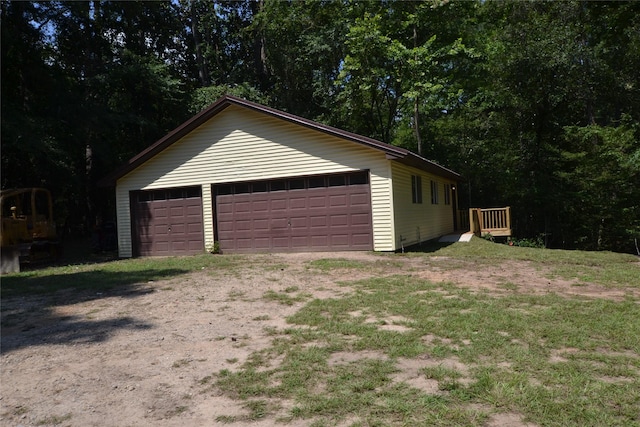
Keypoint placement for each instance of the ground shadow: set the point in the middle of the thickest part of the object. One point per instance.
(47, 328)
(76, 250)
(28, 305)
(83, 282)
(429, 246)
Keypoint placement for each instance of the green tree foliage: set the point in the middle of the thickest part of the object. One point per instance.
(549, 76)
(602, 174)
(32, 155)
(204, 96)
(370, 79)
(304, 44)
(537, 104)
(224, 48)
(398, 64)
(560, 84)
(92, 85)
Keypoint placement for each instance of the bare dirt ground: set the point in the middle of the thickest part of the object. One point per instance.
(135, 357)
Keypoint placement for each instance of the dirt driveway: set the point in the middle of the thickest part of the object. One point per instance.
(136, 357)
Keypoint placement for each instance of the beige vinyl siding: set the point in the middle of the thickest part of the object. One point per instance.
(417, 222)
(239, 144)
(207, 216)
(123, 212)
(382, 208)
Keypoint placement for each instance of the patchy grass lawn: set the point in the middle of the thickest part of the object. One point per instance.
(398, 350)
(396, 344)
(608, 269)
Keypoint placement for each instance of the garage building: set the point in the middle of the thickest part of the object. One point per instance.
(248, 178)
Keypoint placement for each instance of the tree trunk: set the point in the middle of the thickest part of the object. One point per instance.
(88, 182)
(203, 71)
(416, 112)
(260, 50)
(416, 126)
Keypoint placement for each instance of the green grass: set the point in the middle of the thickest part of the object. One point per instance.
(114, 274)
(552, 360)
(329, 264)
(509, 353)
(54, 420)
(287, 297)
(326, 264)
(603, 268)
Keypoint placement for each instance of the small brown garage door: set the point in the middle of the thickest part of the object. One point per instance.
(167, 222)
(321, 213)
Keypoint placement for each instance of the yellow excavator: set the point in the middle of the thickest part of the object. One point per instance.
(28, 230)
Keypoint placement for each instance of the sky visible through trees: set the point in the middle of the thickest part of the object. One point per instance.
(536, 104)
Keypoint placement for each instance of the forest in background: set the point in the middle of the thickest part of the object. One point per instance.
(536, 104)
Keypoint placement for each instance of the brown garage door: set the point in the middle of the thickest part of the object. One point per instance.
(321, 213)
(167, 222)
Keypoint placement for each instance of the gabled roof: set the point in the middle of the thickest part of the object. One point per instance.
(392, 152)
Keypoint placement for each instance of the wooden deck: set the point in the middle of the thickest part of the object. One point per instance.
(494, 221)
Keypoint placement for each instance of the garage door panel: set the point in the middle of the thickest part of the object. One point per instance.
(178, 229)
(280, 242)
(360, 219)
(279, 225)
(194, 211)
(242, 207)
(145, 248)
(318, 221)
(160, 247)
(244, 216)
(160, 230)
(278, 205)
(167, 227)
(319, 218)
(225, 207)
(319, 241)
(261, 243)
(317, 202)
(260, 206)
(225, 226)
(300, 242)
(244, 243)
(261, 224)
(338, 201)
(177, 211)
(339, 220)
(340, 240)
(243, 225)
(160, 213)
(178, 246)
(195, 246)
(358, 200)
(144, 232)
(194, 228)
(298, 203)
(299, 222)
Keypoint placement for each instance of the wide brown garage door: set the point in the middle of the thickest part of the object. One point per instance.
(321, 213)
(167, 222)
